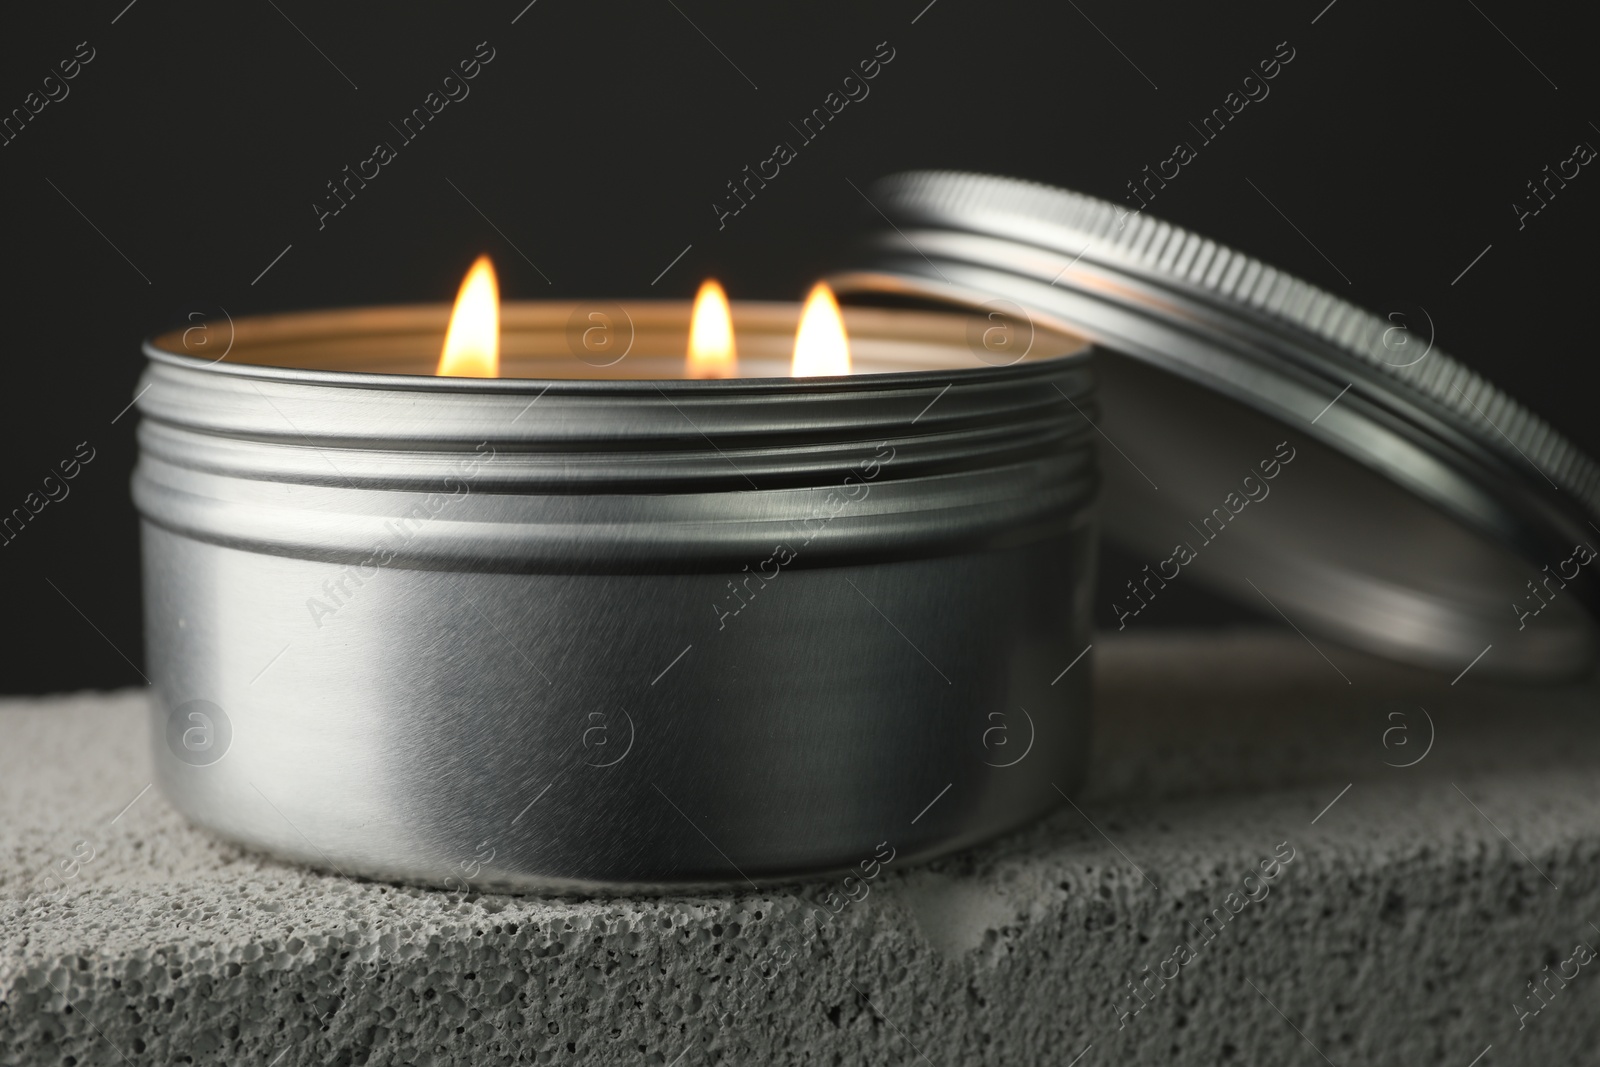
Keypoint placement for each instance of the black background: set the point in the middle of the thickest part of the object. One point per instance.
(190, 150)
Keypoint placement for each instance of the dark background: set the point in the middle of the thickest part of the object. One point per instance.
(190, 150)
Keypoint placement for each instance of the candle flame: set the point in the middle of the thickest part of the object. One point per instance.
(472, 343)
(820, 344)
(711, 351)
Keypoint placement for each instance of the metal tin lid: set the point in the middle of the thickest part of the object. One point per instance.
(1271, 440)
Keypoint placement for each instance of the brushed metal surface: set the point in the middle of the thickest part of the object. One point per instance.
(540, 634)
(1428, 508)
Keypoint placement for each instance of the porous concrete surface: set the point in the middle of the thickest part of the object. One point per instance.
(1405, 930)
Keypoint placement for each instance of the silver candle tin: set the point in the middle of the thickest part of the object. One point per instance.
(589, 628)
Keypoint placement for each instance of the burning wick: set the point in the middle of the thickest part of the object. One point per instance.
(820, 345)
(711, 351)
(472, 343)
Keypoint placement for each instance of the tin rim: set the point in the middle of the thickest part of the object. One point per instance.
(610, 475)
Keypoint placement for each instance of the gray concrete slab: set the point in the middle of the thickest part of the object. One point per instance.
(1406, 912)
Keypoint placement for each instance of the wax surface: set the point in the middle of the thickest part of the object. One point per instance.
(609, 341)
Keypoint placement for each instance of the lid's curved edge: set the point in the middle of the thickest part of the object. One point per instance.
(1161, 252)
(1239, 328)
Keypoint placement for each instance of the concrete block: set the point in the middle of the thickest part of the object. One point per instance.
(1404, 912)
